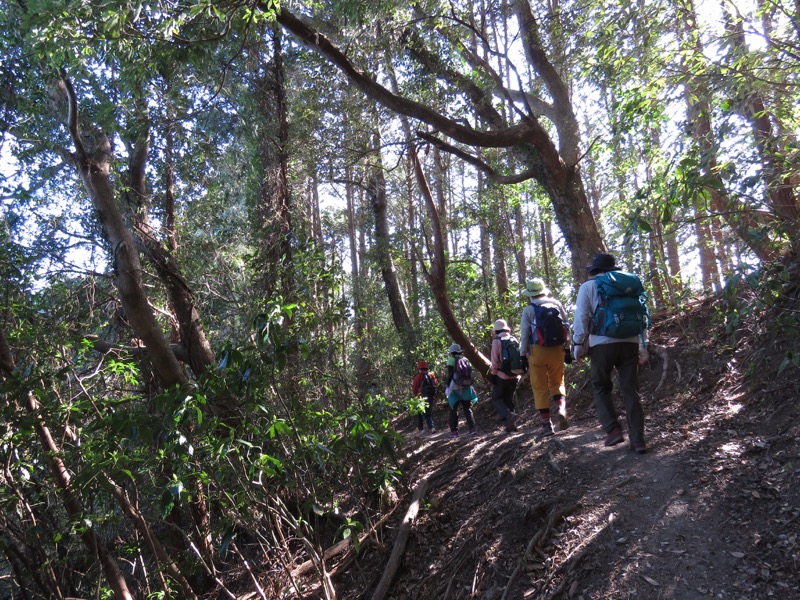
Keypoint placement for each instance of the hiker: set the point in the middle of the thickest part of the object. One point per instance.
(594, 337)
(424, 386)
(544, 334)
(454, 353)
(459, 390)
(501, 373)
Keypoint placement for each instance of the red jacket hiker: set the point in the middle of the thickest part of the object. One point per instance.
(416, 389)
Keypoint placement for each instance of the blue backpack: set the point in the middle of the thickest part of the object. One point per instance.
(623, 311)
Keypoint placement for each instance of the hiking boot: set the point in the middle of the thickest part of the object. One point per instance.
(433, 430)
(453, 434)
(473, 432)
(639, 447)
(511, 422)
(559, 419)
(559, 422)
(545, 431)
(614, 437)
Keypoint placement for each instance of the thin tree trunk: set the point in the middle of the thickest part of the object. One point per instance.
(376, 189)
(659, 276)
(705, 245)
(437, 278)
(673, 261)
(362, 366)
(413, 249)
(274, 207)
(655, 273)
(190, 333)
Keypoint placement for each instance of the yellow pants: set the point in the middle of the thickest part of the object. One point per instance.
(546, 370)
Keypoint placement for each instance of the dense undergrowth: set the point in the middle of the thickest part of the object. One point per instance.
(261, 468)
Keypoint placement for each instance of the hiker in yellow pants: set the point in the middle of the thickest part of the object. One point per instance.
(543, 334)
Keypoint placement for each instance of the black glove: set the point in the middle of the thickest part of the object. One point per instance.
(568, 355)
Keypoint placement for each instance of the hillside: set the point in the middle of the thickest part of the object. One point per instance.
(711, 511)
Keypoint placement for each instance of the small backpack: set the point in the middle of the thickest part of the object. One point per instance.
(427, 387)
(512, 362)
(462, 374)
(623, 311)
(548, 327)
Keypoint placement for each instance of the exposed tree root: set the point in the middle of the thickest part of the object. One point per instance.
(537, 543)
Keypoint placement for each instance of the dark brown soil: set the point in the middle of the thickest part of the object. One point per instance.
(711, 511)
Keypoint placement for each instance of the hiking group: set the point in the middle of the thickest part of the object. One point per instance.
(609, 327)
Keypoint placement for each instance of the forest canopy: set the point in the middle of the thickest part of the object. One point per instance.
(231, 229)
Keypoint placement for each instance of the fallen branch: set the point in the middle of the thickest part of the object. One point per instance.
(400, 543)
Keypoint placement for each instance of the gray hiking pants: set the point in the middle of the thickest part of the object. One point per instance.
(624, 356)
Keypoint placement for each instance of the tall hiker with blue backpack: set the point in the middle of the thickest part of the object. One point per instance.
(544, 334)
(506, 367)
(611, 322)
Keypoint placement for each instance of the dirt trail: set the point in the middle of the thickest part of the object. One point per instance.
(711, 511)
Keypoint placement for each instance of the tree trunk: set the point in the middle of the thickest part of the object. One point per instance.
(780, 181)
(673, 261)
(376, 189)
(655, 272)
(190, 333)
(362, 366)
(413, 249)
(546, 241)
(519, 246)
(93, 164)
(437, 279)
(316, 218)
(275, 202)
(705, 245)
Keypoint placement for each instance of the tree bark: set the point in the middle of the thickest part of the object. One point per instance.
(275, 203)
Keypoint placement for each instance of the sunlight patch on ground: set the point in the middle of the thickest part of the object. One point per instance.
(735, 409)
(732, 448)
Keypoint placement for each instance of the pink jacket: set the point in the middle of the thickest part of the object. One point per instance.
(497, 357)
